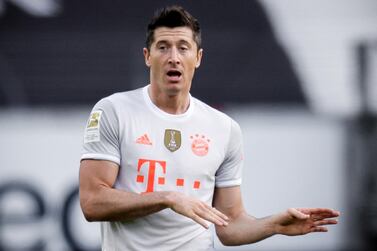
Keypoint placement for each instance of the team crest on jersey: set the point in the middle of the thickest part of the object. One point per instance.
(200, 145)
(172, 139)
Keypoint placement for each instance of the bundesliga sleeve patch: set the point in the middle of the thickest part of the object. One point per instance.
(92, 133)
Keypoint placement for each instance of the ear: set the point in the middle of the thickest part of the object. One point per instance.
(199, 58)
(146, 57)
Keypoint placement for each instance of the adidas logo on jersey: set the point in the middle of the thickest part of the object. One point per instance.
(144, 140)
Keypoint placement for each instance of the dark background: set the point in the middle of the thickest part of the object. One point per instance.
(93, 48)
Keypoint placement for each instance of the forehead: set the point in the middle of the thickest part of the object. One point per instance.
(173, 34)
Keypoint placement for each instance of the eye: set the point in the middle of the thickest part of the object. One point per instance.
(183, 48)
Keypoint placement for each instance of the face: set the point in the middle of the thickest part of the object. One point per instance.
(172, 59)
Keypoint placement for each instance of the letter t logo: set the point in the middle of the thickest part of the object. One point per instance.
(151, 172)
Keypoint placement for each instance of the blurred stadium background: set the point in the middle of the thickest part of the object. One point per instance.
(300, 76)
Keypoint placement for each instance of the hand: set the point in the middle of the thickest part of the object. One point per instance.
(299, 221)
(195, 209)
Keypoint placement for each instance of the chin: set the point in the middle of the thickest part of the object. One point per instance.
(174, 88)
(173, 91)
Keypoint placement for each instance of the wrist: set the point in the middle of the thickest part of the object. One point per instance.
(272, 226)
(168, 199)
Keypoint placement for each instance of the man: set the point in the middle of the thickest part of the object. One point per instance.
(159, 165)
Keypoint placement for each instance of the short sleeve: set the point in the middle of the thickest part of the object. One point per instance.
(101, 136)
(230, 171)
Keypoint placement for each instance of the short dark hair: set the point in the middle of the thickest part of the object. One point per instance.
(173, 16)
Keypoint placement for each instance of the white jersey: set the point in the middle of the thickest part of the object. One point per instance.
(156, 151)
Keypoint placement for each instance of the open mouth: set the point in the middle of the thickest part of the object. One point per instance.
(174, 73)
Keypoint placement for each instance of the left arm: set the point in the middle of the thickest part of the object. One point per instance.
(246, 229)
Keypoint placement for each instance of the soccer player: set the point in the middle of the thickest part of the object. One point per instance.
(159, 166)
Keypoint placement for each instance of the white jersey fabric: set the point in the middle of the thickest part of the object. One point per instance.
(156, 151)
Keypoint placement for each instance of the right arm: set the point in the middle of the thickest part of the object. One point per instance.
(101, 202)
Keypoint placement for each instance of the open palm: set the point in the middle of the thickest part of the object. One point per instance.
(299, 221)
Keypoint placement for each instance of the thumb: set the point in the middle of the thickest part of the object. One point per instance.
(298, 214)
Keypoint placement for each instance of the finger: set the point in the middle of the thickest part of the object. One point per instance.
(317, 217)
(321, 217)
(320, 211)
(199, 220)
(218, 213)
(220, 216)
(325, 222)
(211, 216)
(319, 229)
(327, 214)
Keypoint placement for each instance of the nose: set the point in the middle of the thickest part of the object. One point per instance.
(174, 56)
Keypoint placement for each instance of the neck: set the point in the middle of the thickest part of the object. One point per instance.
(174, 104)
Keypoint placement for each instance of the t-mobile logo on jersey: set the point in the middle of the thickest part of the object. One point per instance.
(152, 165)
(151, 173)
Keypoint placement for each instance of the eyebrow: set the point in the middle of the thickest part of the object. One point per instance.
(162, 42)
(181, 41)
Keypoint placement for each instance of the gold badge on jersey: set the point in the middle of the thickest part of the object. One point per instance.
(92, 133)
(172, 139)
(94, 119)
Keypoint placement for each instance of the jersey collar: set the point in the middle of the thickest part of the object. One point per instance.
(164, 114)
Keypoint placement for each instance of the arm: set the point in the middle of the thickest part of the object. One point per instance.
(101, 202)
(245, 229)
